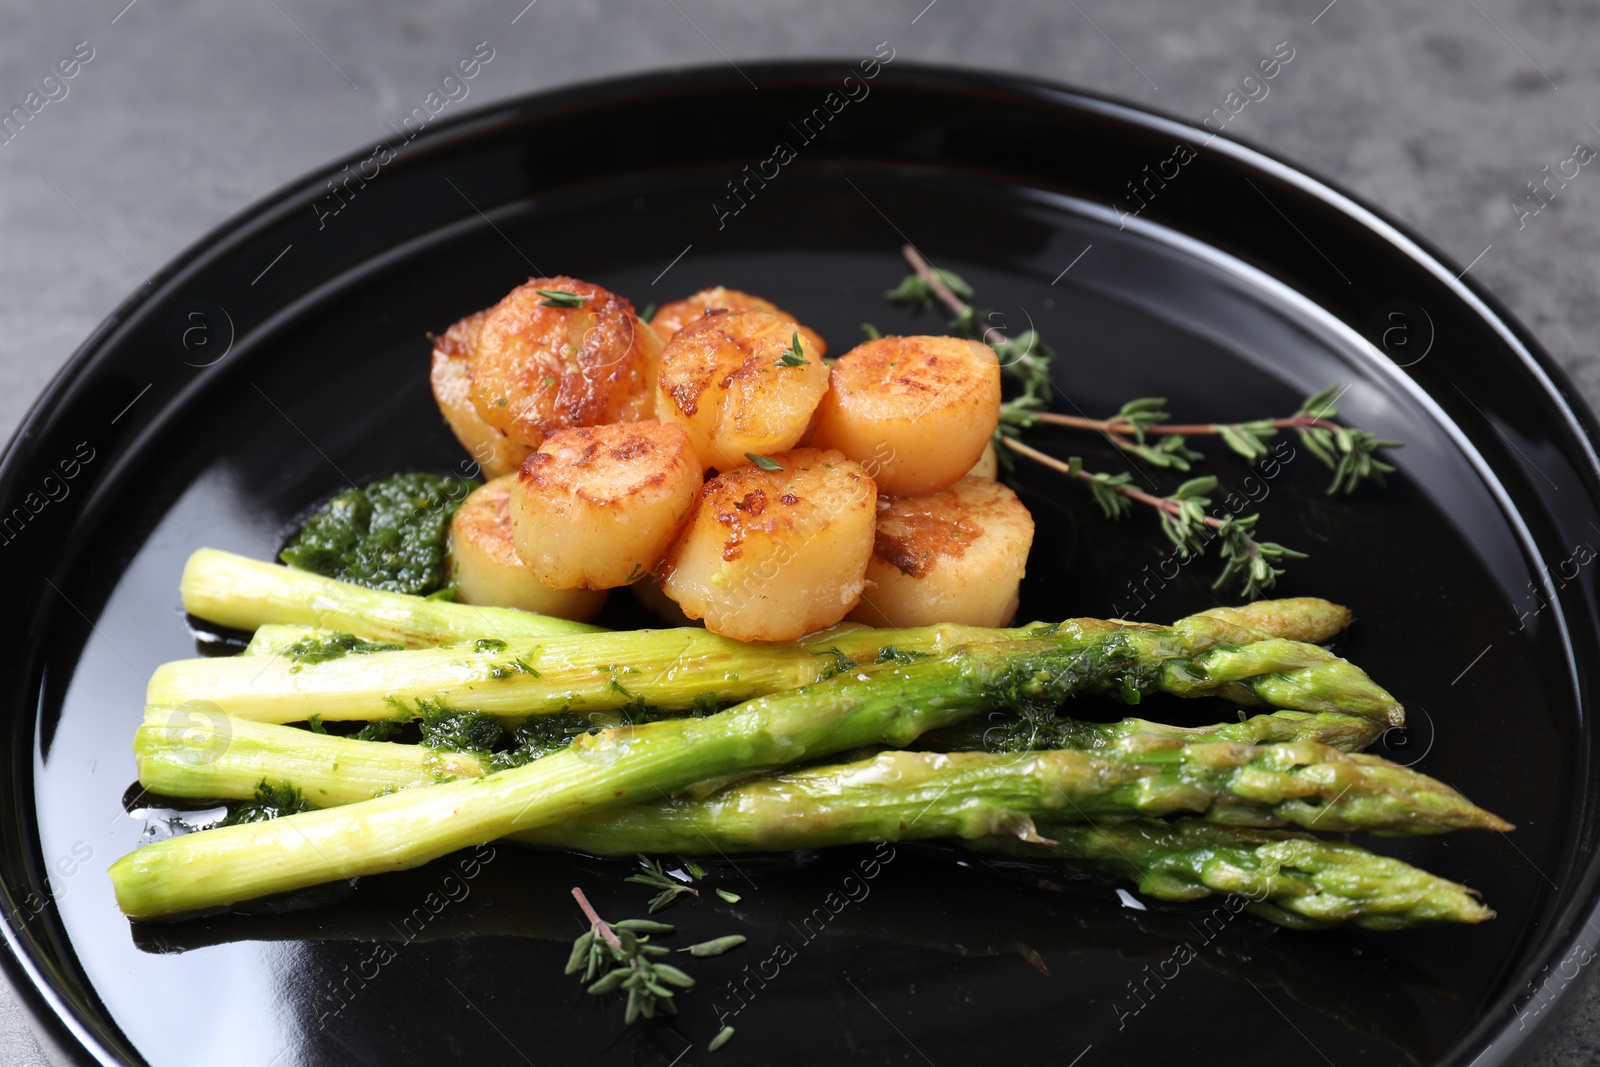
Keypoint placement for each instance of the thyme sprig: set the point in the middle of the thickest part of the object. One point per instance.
(1142, 427)
(656, 877)
(1347, 451)
(621, 957)
(629, 961)
(1248, 564)
(794, 355)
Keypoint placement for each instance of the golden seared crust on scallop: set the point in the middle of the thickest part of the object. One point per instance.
(773, 555)
(596, 506)
(734, 381)
(451, 378)
(670, 318)
(917, 411)
(487, 570)
(460, 341)
(542, 367)
(957, 555)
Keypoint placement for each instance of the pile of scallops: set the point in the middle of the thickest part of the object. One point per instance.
(717, 463)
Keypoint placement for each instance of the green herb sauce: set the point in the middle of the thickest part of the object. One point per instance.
(271, 801)
(333, 646)
(388, 535)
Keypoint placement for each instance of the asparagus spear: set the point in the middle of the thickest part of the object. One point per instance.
(893, 706)
(1004, 732)
(893, 795)
(1291, 879)
(199, 753)
(244, 593)
(1201, 655)
(667, 668)
(1309, 619)
(276, 638)
(918, 795)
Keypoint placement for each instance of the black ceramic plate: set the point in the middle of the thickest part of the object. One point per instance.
(287, 352)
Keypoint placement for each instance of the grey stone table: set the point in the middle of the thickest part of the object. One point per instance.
(180, 113)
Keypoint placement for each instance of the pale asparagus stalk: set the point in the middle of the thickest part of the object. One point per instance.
(244, 593)
(679, 668)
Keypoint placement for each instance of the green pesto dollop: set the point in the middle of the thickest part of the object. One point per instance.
(389, 534)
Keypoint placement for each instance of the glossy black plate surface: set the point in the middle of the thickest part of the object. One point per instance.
(287, 353)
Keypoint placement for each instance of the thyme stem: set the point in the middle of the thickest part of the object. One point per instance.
(1183, 516)
(1160, 503)
(1122, 426)
(597, 924)
(946, 295)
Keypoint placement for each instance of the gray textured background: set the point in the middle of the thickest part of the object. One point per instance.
(1438, 112)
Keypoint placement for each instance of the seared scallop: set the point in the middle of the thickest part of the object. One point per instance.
(741, 382)
(670, 318)
(487, 570)
(916, 411)
(596, 506)
(953, 556)
(988, 465)
(451, 378)
(771, 555)
(559, 352)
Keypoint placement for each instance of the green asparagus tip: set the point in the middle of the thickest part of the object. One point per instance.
(1305, 618)
(1287, 878)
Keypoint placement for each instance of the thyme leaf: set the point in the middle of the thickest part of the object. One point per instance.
(560, 298)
